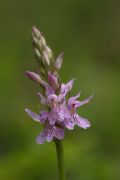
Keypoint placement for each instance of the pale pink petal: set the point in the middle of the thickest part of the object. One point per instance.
(53, 117)
(44, 116)
(49, 132)
(41, 138)
(65, 88)
(80, 103)
(43, 99)
(82, 122)
(63, 113)
(58, 62)
(52, 98)
(62, 88)
(33, 115)
(61, 98)
(72, 99)
(69, 124)
(69, 85)
(49, 137)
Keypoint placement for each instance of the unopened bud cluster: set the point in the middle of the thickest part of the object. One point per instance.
(42, 50)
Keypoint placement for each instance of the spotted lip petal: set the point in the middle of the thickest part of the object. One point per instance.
(49, 133)
(41, 138)
(53, 117)
(58, 133)
(69, 124)
(49, 136)
(82, 122)
(46, 135)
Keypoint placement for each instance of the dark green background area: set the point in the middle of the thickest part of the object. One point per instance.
(88, 32)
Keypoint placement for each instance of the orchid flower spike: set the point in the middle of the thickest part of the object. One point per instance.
(60, 111)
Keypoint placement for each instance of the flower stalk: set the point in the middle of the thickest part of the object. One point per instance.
(60, 158)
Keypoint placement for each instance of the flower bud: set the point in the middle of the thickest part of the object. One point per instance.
(39, 45)
(53, 81)
(35, 77)
(45, 58)
(37, 53)
(34, 41)
(49, 52)
(43, 41)
(36, 32)
(58, 62)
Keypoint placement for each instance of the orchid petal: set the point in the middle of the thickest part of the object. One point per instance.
(72, 99)
(41, 138)
(52, 98)
(58, 62)
(58, 133)
(44, 116)
(49, 136)
(69, 124)
(43, 99)
(52, 117)
(65, 88)
(33, 115)
(80, 103)
(82, 122)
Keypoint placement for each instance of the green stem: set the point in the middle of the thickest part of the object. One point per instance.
(60, 158)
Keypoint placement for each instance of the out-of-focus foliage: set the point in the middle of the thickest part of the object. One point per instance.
(88, 32)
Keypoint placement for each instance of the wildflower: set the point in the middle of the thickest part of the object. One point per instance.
(60, 111)
(73, 104)
(49, 131)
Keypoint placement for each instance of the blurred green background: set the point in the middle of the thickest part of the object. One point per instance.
(88, 32)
